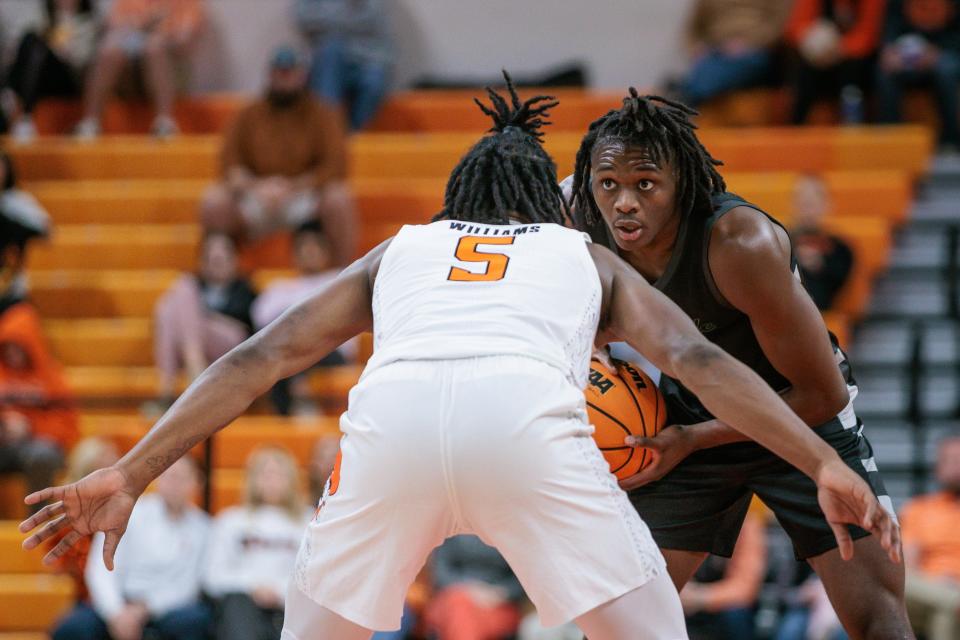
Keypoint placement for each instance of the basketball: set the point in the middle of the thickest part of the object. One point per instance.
(621, 403)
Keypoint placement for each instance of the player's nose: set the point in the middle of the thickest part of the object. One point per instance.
(626, 203)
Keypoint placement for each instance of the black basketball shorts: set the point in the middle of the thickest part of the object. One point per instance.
(700, 505)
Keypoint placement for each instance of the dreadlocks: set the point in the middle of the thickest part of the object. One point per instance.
(664, 129)
(508, 170)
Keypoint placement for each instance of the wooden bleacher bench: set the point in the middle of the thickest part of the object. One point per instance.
(232, 445)
(410, 111)
(453, 110)
(904, 147)
(124, 382)
(33, 602)
(13, 559)
(884, 193)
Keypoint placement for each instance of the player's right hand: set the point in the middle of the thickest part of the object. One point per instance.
(847, 499)
(100, 501)
(667, 449)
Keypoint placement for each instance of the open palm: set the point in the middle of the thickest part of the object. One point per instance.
(100, 501)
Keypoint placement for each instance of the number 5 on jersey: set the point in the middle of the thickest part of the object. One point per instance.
(494, 264)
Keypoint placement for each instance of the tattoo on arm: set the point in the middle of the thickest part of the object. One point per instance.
(157, 464)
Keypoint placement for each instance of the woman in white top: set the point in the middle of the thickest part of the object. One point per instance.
(253, 548)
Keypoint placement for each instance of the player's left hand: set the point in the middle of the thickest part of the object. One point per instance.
(846, 499)
(101, 501)
(667, 449)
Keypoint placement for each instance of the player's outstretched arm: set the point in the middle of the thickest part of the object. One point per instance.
(651, 323)
(296, 340)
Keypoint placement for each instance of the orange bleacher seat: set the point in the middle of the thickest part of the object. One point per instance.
(33, 602)
(127, 382)
(905, 147)
(13, 488)
(231, 446)
(13, 558)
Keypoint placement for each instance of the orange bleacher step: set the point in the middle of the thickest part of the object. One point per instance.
(231, 446)
(110, 293)
(425, 110)
(882, 193)
(156, 246)
(13, 487)
(120, 382)
(902, 147)
(33, 602)
(13, 558)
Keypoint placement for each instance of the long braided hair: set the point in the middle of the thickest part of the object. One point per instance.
(664, 129)
(508, 171)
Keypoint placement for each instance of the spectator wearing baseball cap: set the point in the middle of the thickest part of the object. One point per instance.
(283, 164)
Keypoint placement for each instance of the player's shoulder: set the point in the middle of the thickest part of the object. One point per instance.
(746, 237)
(746, 228)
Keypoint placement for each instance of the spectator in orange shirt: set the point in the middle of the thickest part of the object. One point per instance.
(835, 41)
(720, 600)
(38, 420)
(154, 31)
(283, 164)
(931, 550)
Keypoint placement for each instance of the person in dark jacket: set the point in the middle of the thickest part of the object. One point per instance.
(921, 46)
(825, 260)
(202, 316)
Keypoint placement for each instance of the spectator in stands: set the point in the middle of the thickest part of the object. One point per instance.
(283, 164)
(38, 419)
(202, 316)
(931, 550)
(835, 42)
(731, 43)
(155, 584)
(352, 53)
(50, 63)
(311, 257)
(825, 260)
(921, 45)
(155, 32)
(719, 601)
(476, 595)
(87, 456)
(254, 547)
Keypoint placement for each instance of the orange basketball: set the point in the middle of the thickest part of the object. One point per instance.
(621, 403)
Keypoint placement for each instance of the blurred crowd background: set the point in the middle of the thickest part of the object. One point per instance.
(174, 174)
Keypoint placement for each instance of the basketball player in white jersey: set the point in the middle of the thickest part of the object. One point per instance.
(469, 417)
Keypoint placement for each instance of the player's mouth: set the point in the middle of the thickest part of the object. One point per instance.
(628, 230)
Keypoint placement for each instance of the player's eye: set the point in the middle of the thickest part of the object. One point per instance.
(608, 184)
(645, 185)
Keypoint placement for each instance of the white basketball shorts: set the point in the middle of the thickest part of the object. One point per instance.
(499, 447)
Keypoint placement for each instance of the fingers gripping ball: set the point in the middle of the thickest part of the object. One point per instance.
(622, 403)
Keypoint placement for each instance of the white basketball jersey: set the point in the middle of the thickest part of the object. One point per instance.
(452, 289)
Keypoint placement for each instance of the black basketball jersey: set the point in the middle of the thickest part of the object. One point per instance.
(688, 281)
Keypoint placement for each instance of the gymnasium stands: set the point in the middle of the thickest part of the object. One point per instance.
(124, 209)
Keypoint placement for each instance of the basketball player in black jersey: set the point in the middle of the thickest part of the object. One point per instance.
(646, 187)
